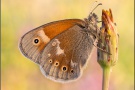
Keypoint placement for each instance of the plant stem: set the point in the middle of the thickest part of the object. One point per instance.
(106, 76)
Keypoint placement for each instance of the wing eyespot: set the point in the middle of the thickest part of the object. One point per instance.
(72, 71)
(64, 68)
(56, 63)
(50, 61)
(54, 44)
(36, 41)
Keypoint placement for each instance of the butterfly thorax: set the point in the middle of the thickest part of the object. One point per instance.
(91, 25)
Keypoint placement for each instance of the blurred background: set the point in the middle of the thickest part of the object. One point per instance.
(20, 16)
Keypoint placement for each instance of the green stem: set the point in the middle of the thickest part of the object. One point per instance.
(106, 76)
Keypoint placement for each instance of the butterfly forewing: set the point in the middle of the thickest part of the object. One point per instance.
(33, 42)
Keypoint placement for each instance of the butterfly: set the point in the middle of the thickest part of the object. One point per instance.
(61, 48)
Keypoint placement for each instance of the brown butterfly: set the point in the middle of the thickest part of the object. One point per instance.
(61, 48)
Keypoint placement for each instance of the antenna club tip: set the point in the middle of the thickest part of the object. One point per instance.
(100, 4)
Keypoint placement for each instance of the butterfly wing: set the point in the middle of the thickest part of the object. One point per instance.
(66, 54)
(33, 42)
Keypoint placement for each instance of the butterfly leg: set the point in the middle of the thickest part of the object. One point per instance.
(102, 49)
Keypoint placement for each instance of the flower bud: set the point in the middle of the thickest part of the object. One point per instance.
(108, 41)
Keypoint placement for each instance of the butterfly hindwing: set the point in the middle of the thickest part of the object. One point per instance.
(65, 55)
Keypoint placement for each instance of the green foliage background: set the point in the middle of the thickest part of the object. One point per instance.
(20, 16)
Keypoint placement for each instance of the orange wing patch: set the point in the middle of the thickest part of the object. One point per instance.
(54, 28)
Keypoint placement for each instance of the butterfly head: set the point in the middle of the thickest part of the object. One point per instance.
(93, 18)
(91, 22)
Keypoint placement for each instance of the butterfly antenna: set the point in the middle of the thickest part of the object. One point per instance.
(95, 7)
